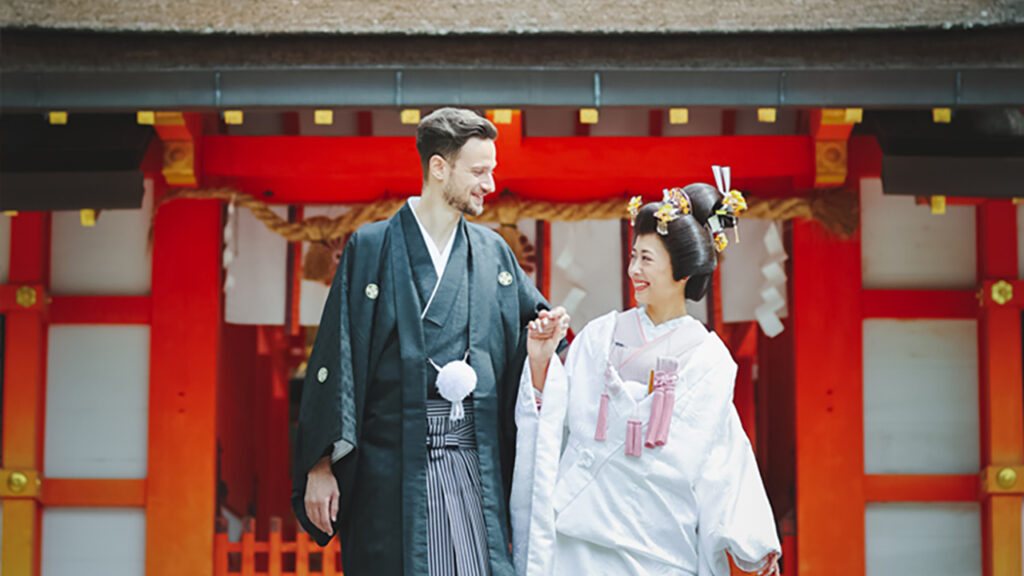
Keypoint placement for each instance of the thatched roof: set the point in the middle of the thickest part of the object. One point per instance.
(440, 17)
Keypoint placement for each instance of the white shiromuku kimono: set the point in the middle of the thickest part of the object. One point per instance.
(583, 506)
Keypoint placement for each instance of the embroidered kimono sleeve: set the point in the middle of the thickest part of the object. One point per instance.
(734, 515)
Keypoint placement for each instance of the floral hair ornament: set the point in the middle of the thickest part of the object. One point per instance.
(674, 203)
(726, 215)
(634, 208)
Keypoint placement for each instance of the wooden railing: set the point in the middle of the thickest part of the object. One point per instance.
(273, 557)
(304, 558)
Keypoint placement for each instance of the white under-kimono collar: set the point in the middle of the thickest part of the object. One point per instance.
(438, 257)
(654, 331)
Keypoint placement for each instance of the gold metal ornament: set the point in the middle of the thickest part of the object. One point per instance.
(1002, 292)
(372, 291)
(1006, 478)
(17, 482)
(25, 296)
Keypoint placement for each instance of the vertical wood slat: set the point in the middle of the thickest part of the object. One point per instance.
(220, 548)
(274, 557)
(301, 553)
(329, 566)
(249, 547)
(275, 549)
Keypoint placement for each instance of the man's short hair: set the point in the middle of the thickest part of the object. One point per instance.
(444, 131)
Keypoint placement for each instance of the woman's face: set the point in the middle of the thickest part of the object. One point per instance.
(651, 273)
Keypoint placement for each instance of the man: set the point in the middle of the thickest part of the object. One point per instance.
(413, 483)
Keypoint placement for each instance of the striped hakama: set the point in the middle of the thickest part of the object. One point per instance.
(457, 537)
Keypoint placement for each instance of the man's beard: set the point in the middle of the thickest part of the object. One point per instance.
(463, 205)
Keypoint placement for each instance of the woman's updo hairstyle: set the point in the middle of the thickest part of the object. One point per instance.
(689, 243)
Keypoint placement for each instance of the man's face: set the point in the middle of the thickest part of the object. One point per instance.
(471, 176)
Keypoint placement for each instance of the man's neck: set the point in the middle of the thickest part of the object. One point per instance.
(437, 217)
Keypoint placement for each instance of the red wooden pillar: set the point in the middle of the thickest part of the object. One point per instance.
(827, 342)
(999, 362)
(24, 391)
(181, 498)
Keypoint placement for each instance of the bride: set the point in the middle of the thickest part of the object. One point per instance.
(631, 458)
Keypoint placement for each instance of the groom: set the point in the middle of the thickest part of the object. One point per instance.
(381, 457)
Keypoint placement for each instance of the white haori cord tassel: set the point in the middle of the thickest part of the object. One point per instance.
(455, 381)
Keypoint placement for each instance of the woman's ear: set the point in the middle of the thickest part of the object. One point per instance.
(438, 167)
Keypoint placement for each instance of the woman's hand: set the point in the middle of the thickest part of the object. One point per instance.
(546, 332)
(542, 340)
(771, 565)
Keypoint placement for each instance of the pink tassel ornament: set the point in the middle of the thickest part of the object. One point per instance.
(665, 378)
(666, 417)
(601, 434)
(634, 445)
(654, 423)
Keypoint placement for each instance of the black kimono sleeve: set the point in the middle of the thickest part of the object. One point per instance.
(327, 411)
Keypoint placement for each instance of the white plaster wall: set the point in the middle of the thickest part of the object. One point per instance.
(313, 295)
(234, 525)
(259, 272)
(622, 122)
(586, 268)
(921, 397)
(747, 123)
(110, 258)
(388, 122)
(345, 123)
(97, 401)
(542, 121)
(904, 246)
(703, 121)
(939, 539)
(94, 541)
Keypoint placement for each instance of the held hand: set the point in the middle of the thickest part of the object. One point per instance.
(771, 565)
(546, 332)
(322, 496)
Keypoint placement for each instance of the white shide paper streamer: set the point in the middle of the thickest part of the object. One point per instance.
(230, 244)
(773, 290)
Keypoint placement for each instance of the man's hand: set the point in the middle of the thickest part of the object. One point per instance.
(542, 340)
(322, 496)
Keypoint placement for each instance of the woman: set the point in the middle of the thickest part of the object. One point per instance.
(631, 458)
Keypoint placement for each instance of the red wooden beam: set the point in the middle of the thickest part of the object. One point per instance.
(309, 169)
(1001, 396)
(181, 482)
(9, 298)
(863, 160)
(827, 341)
(24, 390)
(94, 492)
(921, 488)
(101, 310)
(918, 304)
